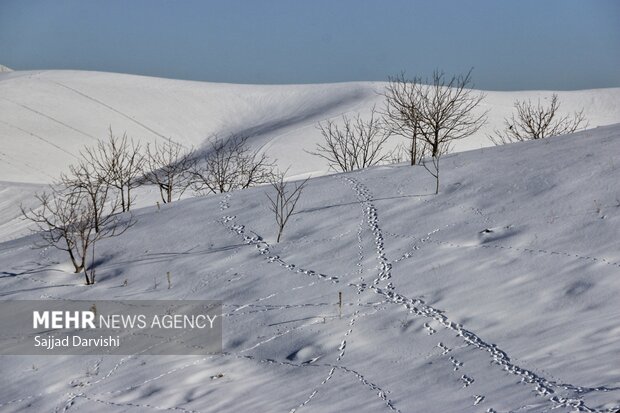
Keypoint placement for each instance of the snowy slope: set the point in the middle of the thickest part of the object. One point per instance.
(499, 294)
(47, 116)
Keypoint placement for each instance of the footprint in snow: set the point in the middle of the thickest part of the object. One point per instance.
(457, 364)
(444, 348)
(466, 380)
(496, 234)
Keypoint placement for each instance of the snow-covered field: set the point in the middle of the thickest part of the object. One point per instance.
(48, 116)
(497, 295)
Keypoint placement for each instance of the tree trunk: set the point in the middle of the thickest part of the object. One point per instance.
(436, 163)
(86, 277)
(122, 199)
(414, 146)
(128, 197)
(170, 186)
(77, 266)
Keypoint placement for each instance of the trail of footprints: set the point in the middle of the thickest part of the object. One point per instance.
(364, 197)
(385, 266)
(415, 306)
(263, 248)
(383, 274)
(261, 245)
(418, 306)
(542, 386)
(487, 221)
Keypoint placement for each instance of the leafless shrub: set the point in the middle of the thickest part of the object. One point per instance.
(401, 115)
(432, 114)
(169, 167)
(84, 181)
(399, 154)
(432, 166)
(357, 144)
(446, 111)
(230, 164)
(536, 121)
(117, 162)
(285, 199)
(66, 220)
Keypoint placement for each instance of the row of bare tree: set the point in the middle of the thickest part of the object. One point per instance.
(93, 199)
(431, 114)
(224, 165)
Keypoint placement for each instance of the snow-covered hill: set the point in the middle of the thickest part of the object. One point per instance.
(47, 116)
(497, 295)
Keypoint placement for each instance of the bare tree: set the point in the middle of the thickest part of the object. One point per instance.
(357, 144)
(401, 114)
(169, 167)
(432, 164)
(447, 112)
(66, 221)
(230, 164)
(119, 163)
(284, 201)
(84, 180)
(535, 121)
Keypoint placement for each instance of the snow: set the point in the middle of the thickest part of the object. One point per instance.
(48, 116)
(499, 294)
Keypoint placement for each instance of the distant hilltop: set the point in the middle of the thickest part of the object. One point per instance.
(5, 69)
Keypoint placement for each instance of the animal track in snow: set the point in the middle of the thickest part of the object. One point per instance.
(467, 381)
(444, 348)
(543, 387)
(264, 249)
(455, 363)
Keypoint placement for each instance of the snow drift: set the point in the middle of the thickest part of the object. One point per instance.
(48, 116)
(499, 294)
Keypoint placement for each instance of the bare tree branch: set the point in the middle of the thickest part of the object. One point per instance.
(229, 165)
(535, 121)
(169, 167)
(357, 144)
(447, 110)
(446, 113)
(118, 162)
(401, 112)
(67, 220)
(284, 201)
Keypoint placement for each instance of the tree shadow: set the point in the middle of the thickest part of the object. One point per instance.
(345, 204)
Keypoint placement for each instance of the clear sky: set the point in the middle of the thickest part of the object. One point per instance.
(520, 44)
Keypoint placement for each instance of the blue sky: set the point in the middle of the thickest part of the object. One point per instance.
(524, 44)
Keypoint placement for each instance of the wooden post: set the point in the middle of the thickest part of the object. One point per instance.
(340, 303)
